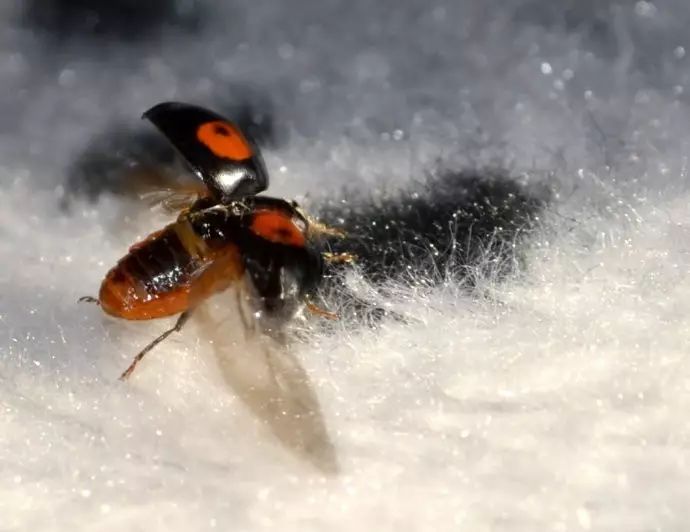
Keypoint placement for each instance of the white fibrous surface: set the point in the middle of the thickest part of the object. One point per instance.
(552, 398)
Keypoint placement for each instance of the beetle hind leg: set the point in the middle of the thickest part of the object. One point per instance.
(178, 326)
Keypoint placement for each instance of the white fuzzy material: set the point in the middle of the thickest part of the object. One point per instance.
(556, 399)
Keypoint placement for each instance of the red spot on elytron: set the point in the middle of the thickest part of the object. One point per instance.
(277, 227)
(224, 140)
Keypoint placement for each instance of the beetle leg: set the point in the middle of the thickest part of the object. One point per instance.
(318, 311)
(339, 258)
(317, 228)
(178, 325)
(88, 299)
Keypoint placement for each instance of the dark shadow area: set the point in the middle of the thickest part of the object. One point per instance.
(117, 161)
(592, 19)
(135, 159)
(452, 224)
(128, 20)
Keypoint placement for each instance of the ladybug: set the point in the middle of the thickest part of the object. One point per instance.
(228, 236)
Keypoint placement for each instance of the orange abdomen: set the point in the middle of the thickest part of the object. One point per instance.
(121, 296)
(153, 280)
(172, 270)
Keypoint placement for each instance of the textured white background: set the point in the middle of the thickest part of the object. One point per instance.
(557, 399)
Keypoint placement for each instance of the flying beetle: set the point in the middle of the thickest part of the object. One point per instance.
(228, 236)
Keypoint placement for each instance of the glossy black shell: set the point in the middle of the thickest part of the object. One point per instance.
(226, 178)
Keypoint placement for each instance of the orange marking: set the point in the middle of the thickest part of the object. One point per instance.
(224, 140)
(277, 227)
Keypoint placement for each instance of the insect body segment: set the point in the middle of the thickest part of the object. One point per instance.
(154, 279)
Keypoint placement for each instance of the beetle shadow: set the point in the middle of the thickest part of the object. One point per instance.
(465, 225)
(115, 21)
(447, 223)
(270, 381)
